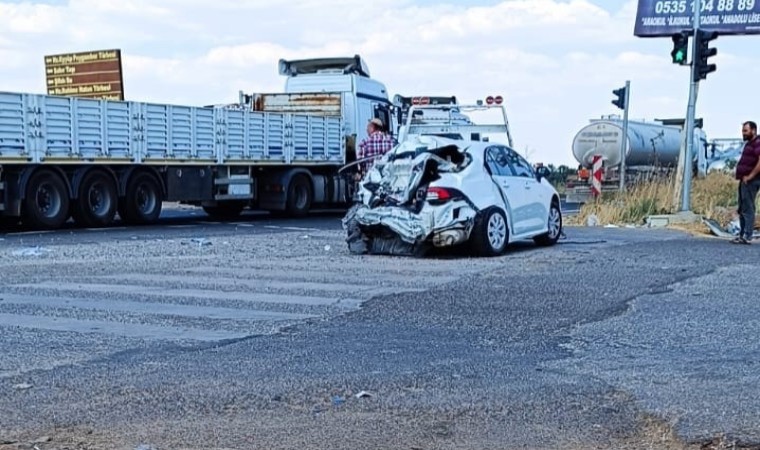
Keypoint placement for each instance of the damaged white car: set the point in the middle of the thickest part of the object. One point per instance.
(431, 191)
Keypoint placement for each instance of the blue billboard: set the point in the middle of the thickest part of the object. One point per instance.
(657, 18)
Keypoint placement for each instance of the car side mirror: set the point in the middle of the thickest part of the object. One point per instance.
(542, 172)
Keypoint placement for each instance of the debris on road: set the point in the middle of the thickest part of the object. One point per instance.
(731, 231)
(592, 221)
(145, 447)
(201, 242)
(735, 227)
(363, 394)
(31, 251)
(22, 386)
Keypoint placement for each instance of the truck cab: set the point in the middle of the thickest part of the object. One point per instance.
(331, 86)
(364, 98)
(338, 87)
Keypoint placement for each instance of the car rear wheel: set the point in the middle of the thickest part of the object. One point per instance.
(555, 228)
(491, 233)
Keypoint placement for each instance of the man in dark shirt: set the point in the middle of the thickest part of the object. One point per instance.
(748, 174)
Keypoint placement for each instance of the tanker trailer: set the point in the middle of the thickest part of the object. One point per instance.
(650, 146)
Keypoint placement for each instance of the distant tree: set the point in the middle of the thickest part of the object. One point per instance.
(559, 174)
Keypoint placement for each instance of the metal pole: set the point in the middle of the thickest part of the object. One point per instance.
(691, 116)
(624, 143)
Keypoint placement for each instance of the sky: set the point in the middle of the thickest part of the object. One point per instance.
(555, 62)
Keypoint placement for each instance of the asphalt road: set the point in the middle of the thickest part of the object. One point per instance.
(260, 336)
(175, 221)
(191, 219)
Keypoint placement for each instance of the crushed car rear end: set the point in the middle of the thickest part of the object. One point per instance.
(412, 199)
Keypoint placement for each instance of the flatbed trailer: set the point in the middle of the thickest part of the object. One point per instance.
(90, 159)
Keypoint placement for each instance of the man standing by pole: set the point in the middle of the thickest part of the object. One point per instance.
(748, 174)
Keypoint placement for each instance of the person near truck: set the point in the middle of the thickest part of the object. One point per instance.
(583, 173)
(375, 145)
(748, 174)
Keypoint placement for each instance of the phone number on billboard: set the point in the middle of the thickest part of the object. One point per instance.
(679, 6)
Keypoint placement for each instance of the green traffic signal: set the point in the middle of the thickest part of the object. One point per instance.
(680, 47)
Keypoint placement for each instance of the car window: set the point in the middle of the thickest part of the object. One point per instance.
(519, 165)
(497, 162)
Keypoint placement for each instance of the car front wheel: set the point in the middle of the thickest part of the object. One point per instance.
(555, 228)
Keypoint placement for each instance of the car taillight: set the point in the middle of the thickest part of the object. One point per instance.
(438, 194)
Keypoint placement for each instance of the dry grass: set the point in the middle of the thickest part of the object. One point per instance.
(713, 197)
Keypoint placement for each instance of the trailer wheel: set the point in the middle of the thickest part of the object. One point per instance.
(299, 198)
(142, 204)
(46, 205)
(97, 200)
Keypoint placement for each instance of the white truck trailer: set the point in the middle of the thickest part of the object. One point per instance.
(88, 159)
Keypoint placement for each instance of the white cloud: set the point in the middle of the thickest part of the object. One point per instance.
(554, 61)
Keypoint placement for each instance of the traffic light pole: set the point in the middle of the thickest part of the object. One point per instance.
(624, 142)
(691, 115)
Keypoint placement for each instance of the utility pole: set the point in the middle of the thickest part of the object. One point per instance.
(699, 70)
(623, 97)
(624, 141)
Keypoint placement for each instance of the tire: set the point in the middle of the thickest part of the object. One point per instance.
(300, 196)
(143, 202)
(46, 205)
(490, 235)
(555, 228)
(225, 211)
(97, 201)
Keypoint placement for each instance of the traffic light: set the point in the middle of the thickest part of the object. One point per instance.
(620, 94)
(703, 52)
(680, 47)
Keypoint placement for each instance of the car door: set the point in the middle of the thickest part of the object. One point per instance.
(512, 187)
(534, 212)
